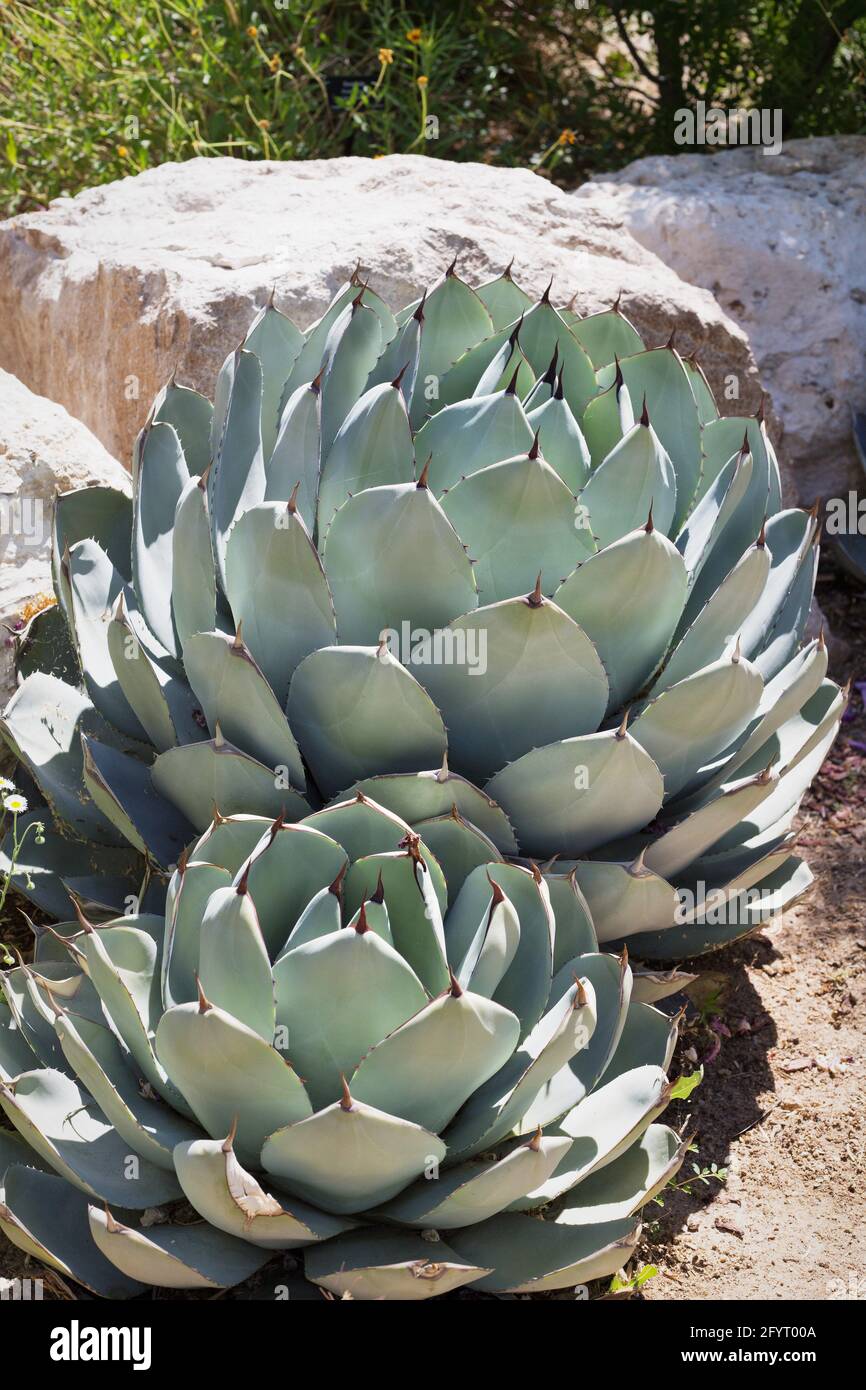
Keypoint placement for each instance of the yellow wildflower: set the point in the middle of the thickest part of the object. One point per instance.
(422, 81)
(122, 151)
(275, 63)
(386, 56)
(567, 137)
(264, 124)
(251, 31)
(414, 35)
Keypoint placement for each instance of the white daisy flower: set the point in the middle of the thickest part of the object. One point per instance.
(16, 803)
(6, 785)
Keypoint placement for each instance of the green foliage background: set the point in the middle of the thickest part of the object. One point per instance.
(90, 90)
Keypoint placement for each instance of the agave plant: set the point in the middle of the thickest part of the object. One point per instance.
(498, 567)
(316, 1052)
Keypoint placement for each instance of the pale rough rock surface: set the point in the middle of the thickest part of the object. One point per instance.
(165, 269)
(42, 450)
(781, 243)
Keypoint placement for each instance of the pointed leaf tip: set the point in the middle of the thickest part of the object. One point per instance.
(536, 598)
(346, 1102)
(580, 995)
(511, 388)
(378, 893)
(204, 1004)
(337, 886)
(243, 881)
(498, 895)
(85, 924)
(229, 1141)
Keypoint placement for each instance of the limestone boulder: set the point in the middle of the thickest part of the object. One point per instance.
(780, 242)
(42, 450)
